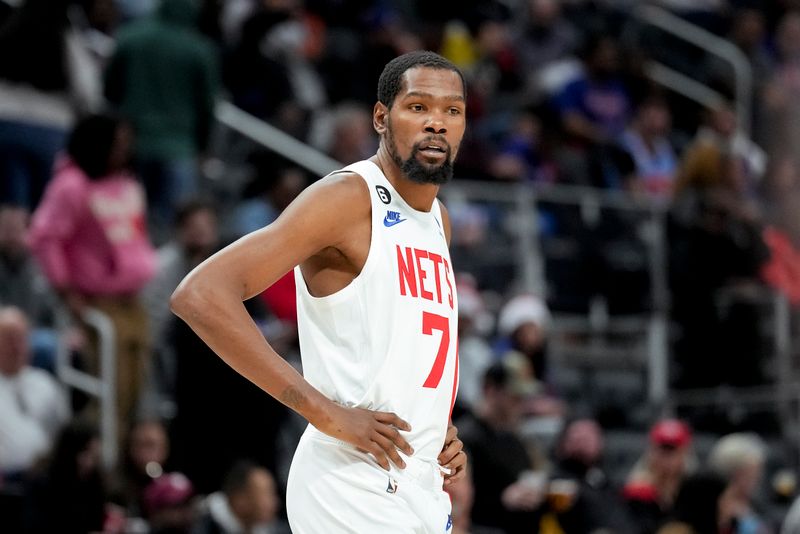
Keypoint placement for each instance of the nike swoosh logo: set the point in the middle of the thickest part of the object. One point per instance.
(389, 223)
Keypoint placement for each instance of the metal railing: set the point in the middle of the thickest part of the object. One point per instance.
(102, 387)
(701, 38)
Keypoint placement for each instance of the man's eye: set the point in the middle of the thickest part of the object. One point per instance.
(455, 111)
(416, 107)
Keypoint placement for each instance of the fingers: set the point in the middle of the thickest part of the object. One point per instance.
(450, 450)
(452, 433)
(388, 449)
(399, 442)
(392, 419)
(457, 466)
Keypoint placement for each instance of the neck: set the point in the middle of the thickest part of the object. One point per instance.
(418, 196)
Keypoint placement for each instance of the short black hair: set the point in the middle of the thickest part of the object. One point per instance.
(238, 476)
(391, 80)
(91, 141)
(191, 206)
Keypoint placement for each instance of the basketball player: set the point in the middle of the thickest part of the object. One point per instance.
(377, 317)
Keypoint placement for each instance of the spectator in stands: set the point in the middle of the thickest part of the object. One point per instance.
(90, 236)
(272, 188)
(739, 459)
(716, 245)
(218, 421)
(22, 284)
(781, 103)
(580, 498)
(168, 504)
(196, 237)
(248, 502)
(653, 484)
(145, 459)
(508, 493)
(163, 76)
(525, 322)
(594, 110)
(474, 353)
(70, 495)
(259, 84)
(546, 39)
(346, 133)
(697, 507)
(41, 88)
(33, 406)
(646, 140)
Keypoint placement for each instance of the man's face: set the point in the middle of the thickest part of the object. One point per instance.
(425, 124)
(13, 231)
(14, 353)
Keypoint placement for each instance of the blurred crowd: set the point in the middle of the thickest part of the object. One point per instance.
(110, 193)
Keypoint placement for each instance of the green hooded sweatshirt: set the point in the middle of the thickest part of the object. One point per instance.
(164, 77)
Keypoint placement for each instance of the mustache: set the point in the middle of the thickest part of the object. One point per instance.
(437, 139)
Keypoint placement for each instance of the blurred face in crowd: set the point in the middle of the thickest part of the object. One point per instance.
(14, 349)
(544, 12)
(89, 458)
(668, 461)
(121, 149)
(747, 478)
(655, 119)
(424, 127)
(199, 232)
(148, 445)
(583, 441)
(604, 60)
(748, 30)
(789, 37)
(13, 231)
(291, 183)
(258, 502)
(723, 121)
(528, 338)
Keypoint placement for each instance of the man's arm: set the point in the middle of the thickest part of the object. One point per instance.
(210, 300)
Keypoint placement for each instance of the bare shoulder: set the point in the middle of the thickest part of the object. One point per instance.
(445, 220)
(342, 190)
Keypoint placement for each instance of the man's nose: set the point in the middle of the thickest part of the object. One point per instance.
(435, 126)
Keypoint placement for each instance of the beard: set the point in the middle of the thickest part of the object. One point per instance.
(417, 171)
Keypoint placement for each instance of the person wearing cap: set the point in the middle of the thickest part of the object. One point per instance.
(525, 322)
(508, 493)
(654, 482)
(168, 504)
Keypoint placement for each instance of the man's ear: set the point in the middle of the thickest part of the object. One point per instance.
(380, 115)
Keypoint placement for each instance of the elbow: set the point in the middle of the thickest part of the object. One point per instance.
(185, 300)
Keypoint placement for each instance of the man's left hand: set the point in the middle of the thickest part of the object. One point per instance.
(453, 456)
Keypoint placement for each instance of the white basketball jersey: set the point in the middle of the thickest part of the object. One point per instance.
(388, 341)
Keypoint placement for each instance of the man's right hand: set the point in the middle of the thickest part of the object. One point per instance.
(376, 433)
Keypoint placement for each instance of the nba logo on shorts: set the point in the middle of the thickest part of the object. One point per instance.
(449, 523)
(392, 486)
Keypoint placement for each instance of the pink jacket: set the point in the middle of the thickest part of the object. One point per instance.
(91, 236)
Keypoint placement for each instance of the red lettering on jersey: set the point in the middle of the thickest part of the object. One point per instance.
(449, 285)
(437, 260)
(405, 269)
(424, 293)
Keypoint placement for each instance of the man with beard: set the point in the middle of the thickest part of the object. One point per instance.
(377, 317)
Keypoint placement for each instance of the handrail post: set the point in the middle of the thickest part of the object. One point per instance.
(104, 386)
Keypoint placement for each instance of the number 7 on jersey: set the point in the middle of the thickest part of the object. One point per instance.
(431, 322)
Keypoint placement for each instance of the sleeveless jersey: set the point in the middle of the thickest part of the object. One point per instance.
(387, 341)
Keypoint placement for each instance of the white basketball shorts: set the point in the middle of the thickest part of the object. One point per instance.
(335, 489)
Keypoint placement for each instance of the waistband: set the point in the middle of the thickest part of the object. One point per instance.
(426, 473)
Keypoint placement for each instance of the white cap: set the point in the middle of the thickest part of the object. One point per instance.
(523, 309)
